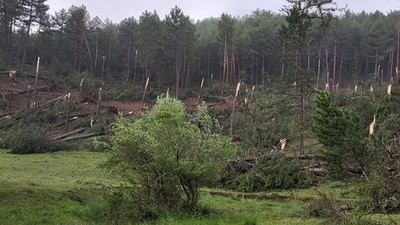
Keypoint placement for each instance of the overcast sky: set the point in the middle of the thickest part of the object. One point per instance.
(117, 10)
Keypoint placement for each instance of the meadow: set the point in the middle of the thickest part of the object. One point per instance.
(71, 188)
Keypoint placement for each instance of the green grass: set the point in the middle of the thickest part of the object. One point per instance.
(70, 188)
(56, 188)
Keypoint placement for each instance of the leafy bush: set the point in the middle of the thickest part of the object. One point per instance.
(29, 140)
(167, 158)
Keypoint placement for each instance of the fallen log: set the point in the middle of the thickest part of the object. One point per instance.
(84, 136)
(68, 134)
(62, 97)
(82, 114)
(65, 121)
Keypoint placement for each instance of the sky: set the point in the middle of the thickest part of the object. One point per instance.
(117, 10)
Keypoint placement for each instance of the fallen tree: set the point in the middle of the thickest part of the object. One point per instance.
(68, 134)
(80, 137)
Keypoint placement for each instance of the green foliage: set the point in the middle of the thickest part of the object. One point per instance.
(327, 206)
(90, 83)
(274, 171)
(29, 140)
(161, 153)
(283, 173)
(212, 93)
(379, 193)
(264, 123)
(341, 133)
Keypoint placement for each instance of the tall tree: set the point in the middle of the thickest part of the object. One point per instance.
(77, 28)
(33, 11)
(150, 46)
(111, 32)
(59, 21)
(9, 11)
(323, 10)
(296, 34)
(127, 42)
(226, 28)
(178, 30)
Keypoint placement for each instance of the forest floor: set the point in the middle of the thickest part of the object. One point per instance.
(46, 189)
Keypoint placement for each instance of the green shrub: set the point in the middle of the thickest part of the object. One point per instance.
(379, 193)
(166, 158)
(327, 207)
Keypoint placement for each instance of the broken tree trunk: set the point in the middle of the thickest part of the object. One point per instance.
(233, 110)
(59, 98)
(145, 89)
(68, 111)
(99, 101)
(36, 81)
(201, 90)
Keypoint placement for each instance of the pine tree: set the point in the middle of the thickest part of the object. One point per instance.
(340, 131)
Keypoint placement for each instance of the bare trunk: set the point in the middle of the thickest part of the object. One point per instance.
(96, 54)
(319, 67)
(208, 61)
(309, 59)
(376, 65)
(187, 79)
(233, 109)
(102, 69)
(129, 60)
(27, 37)
(89, 53)
(283, 56)
(109, 58)
(340, 68)
(134, 72)
(334, 66)
(328, 73)
(68, 100)
(177, 71)
(392, 63)
(99, 101)
(398, 51)
(36, 81)
(301, 114)
(224, 73)
(233, 68)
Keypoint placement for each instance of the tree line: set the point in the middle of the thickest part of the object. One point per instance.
(176, 51)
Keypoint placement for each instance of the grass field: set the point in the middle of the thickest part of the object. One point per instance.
(70, 188)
